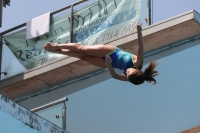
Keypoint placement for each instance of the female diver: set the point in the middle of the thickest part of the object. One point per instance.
(112, 57)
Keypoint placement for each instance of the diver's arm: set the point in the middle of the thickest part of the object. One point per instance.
(112, 71)
(140, 57)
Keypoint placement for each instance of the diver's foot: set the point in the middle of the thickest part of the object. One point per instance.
(51, 46)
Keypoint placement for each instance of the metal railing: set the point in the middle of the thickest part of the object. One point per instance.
(52, 13)
(24, 24)
(64, 110)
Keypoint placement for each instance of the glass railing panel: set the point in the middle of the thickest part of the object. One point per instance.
(51, 114)
(10, 64)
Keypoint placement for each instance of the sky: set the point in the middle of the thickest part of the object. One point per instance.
(89, 112)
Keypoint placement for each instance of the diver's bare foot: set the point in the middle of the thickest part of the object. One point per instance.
(51, 46)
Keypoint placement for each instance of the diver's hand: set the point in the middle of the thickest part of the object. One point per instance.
(112, 72)
(108, 61)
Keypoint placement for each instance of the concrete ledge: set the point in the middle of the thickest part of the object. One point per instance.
(44, 78)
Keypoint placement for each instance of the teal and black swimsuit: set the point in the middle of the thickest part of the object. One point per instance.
(121, 60)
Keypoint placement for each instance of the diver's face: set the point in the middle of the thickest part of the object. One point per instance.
(130, 71)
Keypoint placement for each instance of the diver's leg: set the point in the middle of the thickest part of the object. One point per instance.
(99, 50)
(96, 61)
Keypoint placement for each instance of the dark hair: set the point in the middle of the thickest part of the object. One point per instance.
(148, 75)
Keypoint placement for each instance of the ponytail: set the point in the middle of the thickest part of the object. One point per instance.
(150, 72)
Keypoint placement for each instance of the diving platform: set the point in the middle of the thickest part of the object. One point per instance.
(68, 75)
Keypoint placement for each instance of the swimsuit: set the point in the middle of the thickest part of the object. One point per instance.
(121, 60)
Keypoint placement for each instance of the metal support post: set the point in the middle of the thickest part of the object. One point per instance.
(152, 12)
(1, 12)
(149, 12)
(64, 117)
(71, 25)
(1, 54)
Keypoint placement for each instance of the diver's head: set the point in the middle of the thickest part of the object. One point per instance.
(137, 77)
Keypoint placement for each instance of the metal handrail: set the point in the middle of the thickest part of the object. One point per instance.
(64, 110)
(49, 105)
(52, 13)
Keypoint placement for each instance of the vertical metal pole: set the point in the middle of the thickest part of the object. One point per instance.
(149, 11)
(71, 25)
(1, 12)
(64, 123)
(152, 13)
(1, 53)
